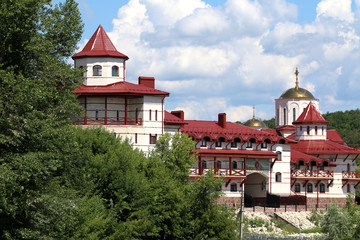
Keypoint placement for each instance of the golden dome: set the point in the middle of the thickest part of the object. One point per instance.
(297, 92)
(255, 123)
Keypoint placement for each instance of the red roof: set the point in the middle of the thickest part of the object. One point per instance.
(171, 119)
(296, 156)
(200, 129)
(287, 127)
(124, 88)
(235, 153)
(323, 147)
(334, 136)
(100, 45)
(311, 116)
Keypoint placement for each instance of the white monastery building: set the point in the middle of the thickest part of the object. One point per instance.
(299, 162)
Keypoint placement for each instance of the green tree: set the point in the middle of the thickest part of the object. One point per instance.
(36, 103)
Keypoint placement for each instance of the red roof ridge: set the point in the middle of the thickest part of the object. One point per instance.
(311, 115)
(100, 45)
(121, 87)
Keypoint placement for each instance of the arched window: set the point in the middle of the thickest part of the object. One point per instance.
(203, 164)
(278, 153)
(309, 188)
(294, 114)
(297, 187)
(218, 164)
(218, 143)
(115, 71)
(235, 142)
(284, 116)
(234, 165)
(321, 187)
(278, 177)
(301, 163)
(348, 166)
(97, 70)
(233, 187)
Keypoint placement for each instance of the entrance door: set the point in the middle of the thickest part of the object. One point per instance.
(255, 189)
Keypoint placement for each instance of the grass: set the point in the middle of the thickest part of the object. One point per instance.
(284, 226)
(312, 230)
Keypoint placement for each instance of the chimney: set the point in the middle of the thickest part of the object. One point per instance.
(179, 114)
(147, 81)
(222, 120)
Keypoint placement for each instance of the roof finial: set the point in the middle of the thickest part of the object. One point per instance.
(297, 79)
(253, 111)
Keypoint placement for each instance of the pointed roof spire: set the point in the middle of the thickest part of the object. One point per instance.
(100, 45)
(310, 115)
(253, 111)
(297, 79)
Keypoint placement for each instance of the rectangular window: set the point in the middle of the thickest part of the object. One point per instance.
(150, 114)
(218, 144)
(315, 130)
(348, 188)
(233, 144)
(203, 143)
(153, 138)
(322, 187)
(156, 115)
(264, 145)
(248, 145)
(297, 188)
(309, 188)
(135, 137)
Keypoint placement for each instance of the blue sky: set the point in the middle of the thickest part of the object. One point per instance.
(226, 55)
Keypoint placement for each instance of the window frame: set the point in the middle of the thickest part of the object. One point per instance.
(97, 70)
(233, 187)
(297, 188)
(153, 138)
(248, 144)
(278, 177)
(116, 68)
(309, 188)
(321, 188)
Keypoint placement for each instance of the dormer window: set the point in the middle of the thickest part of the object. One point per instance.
(97, 70)
(115, 71)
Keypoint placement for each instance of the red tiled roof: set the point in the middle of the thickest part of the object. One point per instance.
(200, 129)
(124, 88)
(334, 136)
(323, 147)
(100, 45)
(287, 127)
(235, 153)
(172, 119)
(311, 115)
(296, 156)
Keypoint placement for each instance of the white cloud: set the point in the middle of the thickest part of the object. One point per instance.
(337, 9)
(226, 58)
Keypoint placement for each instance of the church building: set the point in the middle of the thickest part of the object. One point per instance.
(298, 162)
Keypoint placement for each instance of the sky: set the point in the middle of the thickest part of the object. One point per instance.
(217, 56)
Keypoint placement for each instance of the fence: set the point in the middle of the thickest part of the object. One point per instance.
(255, 236)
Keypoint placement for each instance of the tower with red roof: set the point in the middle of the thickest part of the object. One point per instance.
(129, 110)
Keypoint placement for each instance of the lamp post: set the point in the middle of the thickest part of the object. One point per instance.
(241, 212)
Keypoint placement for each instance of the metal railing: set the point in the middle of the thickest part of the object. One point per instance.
(312, 173)
(220, 171)
(350, 174)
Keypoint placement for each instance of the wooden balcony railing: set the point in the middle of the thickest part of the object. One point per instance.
(351, 175)
(306, 174)
(106, 121)
(237, 172)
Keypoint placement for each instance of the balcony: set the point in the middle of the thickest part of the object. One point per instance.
(312, 174)
(226, 173)
(106, 121)
(351, 175)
